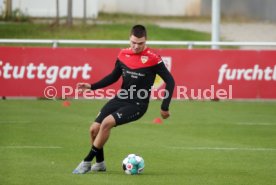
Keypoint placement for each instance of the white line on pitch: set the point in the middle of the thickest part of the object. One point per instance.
(31, 147)
(14, 121)
(223, 148)
(254, 124)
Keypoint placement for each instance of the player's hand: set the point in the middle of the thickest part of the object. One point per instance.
(165, 114)
(83, 86)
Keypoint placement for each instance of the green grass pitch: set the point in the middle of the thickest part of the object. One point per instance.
(202, 143)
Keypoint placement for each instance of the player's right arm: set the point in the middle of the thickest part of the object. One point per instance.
(106, 81)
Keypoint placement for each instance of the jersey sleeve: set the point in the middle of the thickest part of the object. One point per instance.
(109, 79)
(163, 72)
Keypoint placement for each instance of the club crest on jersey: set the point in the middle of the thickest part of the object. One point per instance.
(144, 59)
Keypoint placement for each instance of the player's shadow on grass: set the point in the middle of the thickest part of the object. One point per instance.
(119, 173)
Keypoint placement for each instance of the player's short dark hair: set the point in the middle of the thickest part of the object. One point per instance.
(139, 31)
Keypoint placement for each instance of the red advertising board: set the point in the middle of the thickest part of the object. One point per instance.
(199, 74)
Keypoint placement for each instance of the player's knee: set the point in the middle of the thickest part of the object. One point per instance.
(94, 129)
(105, 127)
(91, 128)
(108, 123)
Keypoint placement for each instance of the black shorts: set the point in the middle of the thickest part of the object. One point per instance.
(122, 111)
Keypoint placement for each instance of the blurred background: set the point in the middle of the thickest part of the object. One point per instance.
(252, 9)
(46, 45)
(247, 20)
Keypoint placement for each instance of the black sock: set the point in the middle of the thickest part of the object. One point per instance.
(93, 152)
(100, 156)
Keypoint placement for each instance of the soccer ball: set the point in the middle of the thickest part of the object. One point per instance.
(133, 164)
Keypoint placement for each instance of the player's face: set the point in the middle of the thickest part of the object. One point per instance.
(137, 44)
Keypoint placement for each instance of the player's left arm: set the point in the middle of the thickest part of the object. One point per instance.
(163, 72)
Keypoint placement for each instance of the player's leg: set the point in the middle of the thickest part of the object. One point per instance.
(97, 146)
(104, 132)
(100, 164)
(126, 113)
(94, 130)
(85, 165)
(110, 107)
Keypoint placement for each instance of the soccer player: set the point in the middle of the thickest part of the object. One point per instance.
(138, 65)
